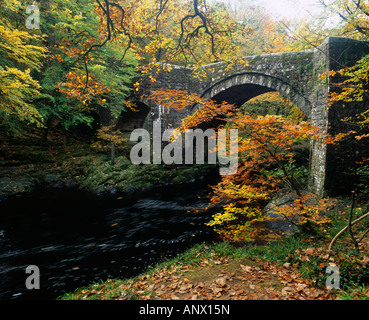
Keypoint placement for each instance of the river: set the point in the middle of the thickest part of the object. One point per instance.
(76, 238)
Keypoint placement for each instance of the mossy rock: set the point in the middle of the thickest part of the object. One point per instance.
(17, 185)
(122, 162)
(179, 179)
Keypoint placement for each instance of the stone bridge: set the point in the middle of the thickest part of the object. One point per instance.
(296, 76)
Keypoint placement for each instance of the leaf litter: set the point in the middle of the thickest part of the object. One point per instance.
(227, 279)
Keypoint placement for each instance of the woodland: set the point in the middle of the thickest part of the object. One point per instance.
(93, 55)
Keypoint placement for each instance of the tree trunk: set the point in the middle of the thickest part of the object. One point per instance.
(64, 142)
(112, 158)
(45, 134)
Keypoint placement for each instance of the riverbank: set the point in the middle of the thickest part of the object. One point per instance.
(83, 168)
(290, 268)
(211, 272)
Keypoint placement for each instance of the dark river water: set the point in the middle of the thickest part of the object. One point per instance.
(76, 238)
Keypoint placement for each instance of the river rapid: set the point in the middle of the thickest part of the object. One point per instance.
(76, 238)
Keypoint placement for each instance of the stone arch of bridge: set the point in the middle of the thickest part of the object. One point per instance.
(240, 88)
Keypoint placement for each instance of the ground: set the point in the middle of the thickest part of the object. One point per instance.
(210, 276)
(240, 279)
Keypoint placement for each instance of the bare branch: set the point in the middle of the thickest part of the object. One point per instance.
(356, 244)
(204, 25)
(344, 229)
(125, 31)
(108, 27)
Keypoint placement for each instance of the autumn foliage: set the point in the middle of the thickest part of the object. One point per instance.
(87, 53)
(266, 166)
(20, 53)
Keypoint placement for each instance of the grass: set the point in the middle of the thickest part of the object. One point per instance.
(93, 291)
(355, 292)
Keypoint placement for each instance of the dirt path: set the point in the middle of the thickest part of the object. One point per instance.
(239, 279)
